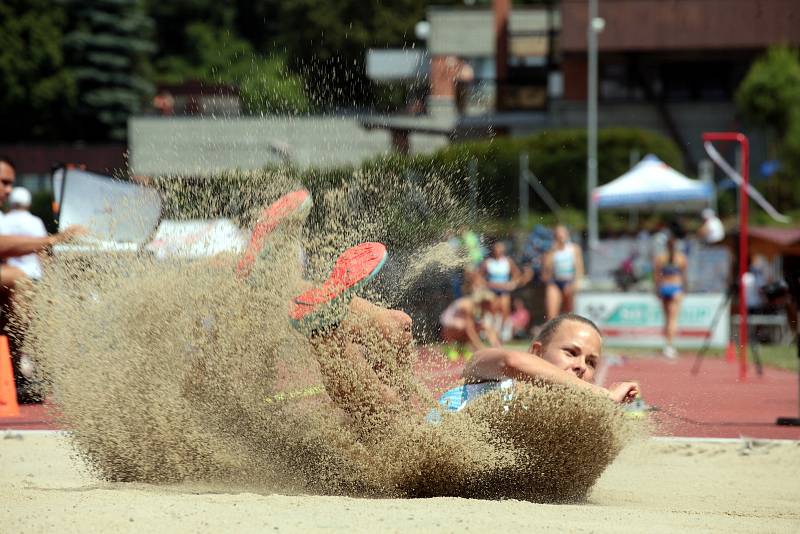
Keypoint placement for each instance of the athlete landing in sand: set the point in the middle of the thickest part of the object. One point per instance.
(343, 330)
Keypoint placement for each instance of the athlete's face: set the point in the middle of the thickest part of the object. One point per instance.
(561, 234)
(574, 347)
(498, 250)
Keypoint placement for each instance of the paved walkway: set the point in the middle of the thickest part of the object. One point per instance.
(710, 404)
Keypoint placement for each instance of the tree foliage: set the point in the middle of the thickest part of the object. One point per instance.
(770, 93)
(38, 93)
(769, 97)
(108, 51)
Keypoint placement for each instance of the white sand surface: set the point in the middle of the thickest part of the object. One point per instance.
(655, 486)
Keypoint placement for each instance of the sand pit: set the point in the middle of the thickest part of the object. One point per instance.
(654, 486)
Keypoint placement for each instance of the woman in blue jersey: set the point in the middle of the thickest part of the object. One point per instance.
(669, 275)
(562, 271)
(502, 276)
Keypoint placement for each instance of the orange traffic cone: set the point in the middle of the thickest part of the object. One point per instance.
(730, 353)
(8, 390)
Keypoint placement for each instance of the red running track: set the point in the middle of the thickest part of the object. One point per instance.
(711, 404)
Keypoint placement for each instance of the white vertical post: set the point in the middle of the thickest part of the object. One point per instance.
(591, 160)
(473, 190)
(523, 189)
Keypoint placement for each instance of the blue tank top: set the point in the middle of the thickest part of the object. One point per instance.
(457, 398)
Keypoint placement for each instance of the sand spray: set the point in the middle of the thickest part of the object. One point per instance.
(177, 372)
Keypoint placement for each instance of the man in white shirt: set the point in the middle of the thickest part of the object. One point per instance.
(20, 221)
(18, 245)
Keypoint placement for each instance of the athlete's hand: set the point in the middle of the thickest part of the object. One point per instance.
(622, 392)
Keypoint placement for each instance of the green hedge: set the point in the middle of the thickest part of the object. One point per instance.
(557, 158)
(416, 213)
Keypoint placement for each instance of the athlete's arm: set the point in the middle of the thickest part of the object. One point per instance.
(472, 333)
(17, 245)
(547, 267)
(499, 364)
(516, 275)
(684, 271)
(658, 263)
(578, 264)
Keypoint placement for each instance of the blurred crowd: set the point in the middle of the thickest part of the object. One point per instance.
(489, 307)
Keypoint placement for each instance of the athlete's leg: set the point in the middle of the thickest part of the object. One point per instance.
(552, 299)
(673, 308)
(568, 298)
(359, 346)
(352, 383)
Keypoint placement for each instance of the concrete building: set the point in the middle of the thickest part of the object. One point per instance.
(201, 146)
(666, 65)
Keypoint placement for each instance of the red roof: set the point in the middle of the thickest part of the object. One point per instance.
(781, 236)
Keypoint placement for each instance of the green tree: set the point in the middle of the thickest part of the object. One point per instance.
(109, 51)
(770, 93)
(769, 98)
(38, 93)
(217, 55)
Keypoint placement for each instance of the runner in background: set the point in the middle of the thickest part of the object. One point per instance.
(669, 273)
(563, 270)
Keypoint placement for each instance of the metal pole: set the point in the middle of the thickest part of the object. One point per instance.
(523, 189)
(744, 202)
(591, 160)
(473, 190)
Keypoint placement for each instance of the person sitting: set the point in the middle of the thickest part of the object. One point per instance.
(463, 322)
(520, 318)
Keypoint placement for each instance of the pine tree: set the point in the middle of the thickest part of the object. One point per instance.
(108, 52)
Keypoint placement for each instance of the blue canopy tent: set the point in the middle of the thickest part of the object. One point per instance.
(652, 184)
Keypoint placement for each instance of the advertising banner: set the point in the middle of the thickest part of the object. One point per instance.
(637, 319)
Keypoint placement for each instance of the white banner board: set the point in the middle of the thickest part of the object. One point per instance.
(197, 238)
(637, 319)
(112, 210)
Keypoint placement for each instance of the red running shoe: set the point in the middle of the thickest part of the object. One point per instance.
(322, 306)
(289, 205)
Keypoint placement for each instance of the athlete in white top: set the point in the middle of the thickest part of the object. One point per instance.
(502, 276)
(21, 222)
(563, 269)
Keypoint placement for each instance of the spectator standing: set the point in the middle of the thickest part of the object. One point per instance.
(502, 276)
(562, 271)
(19, 221)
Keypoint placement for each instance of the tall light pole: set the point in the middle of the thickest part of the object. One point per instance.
(595, 25)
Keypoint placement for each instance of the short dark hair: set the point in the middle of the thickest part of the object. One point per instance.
(551, 327)
(8, 161)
